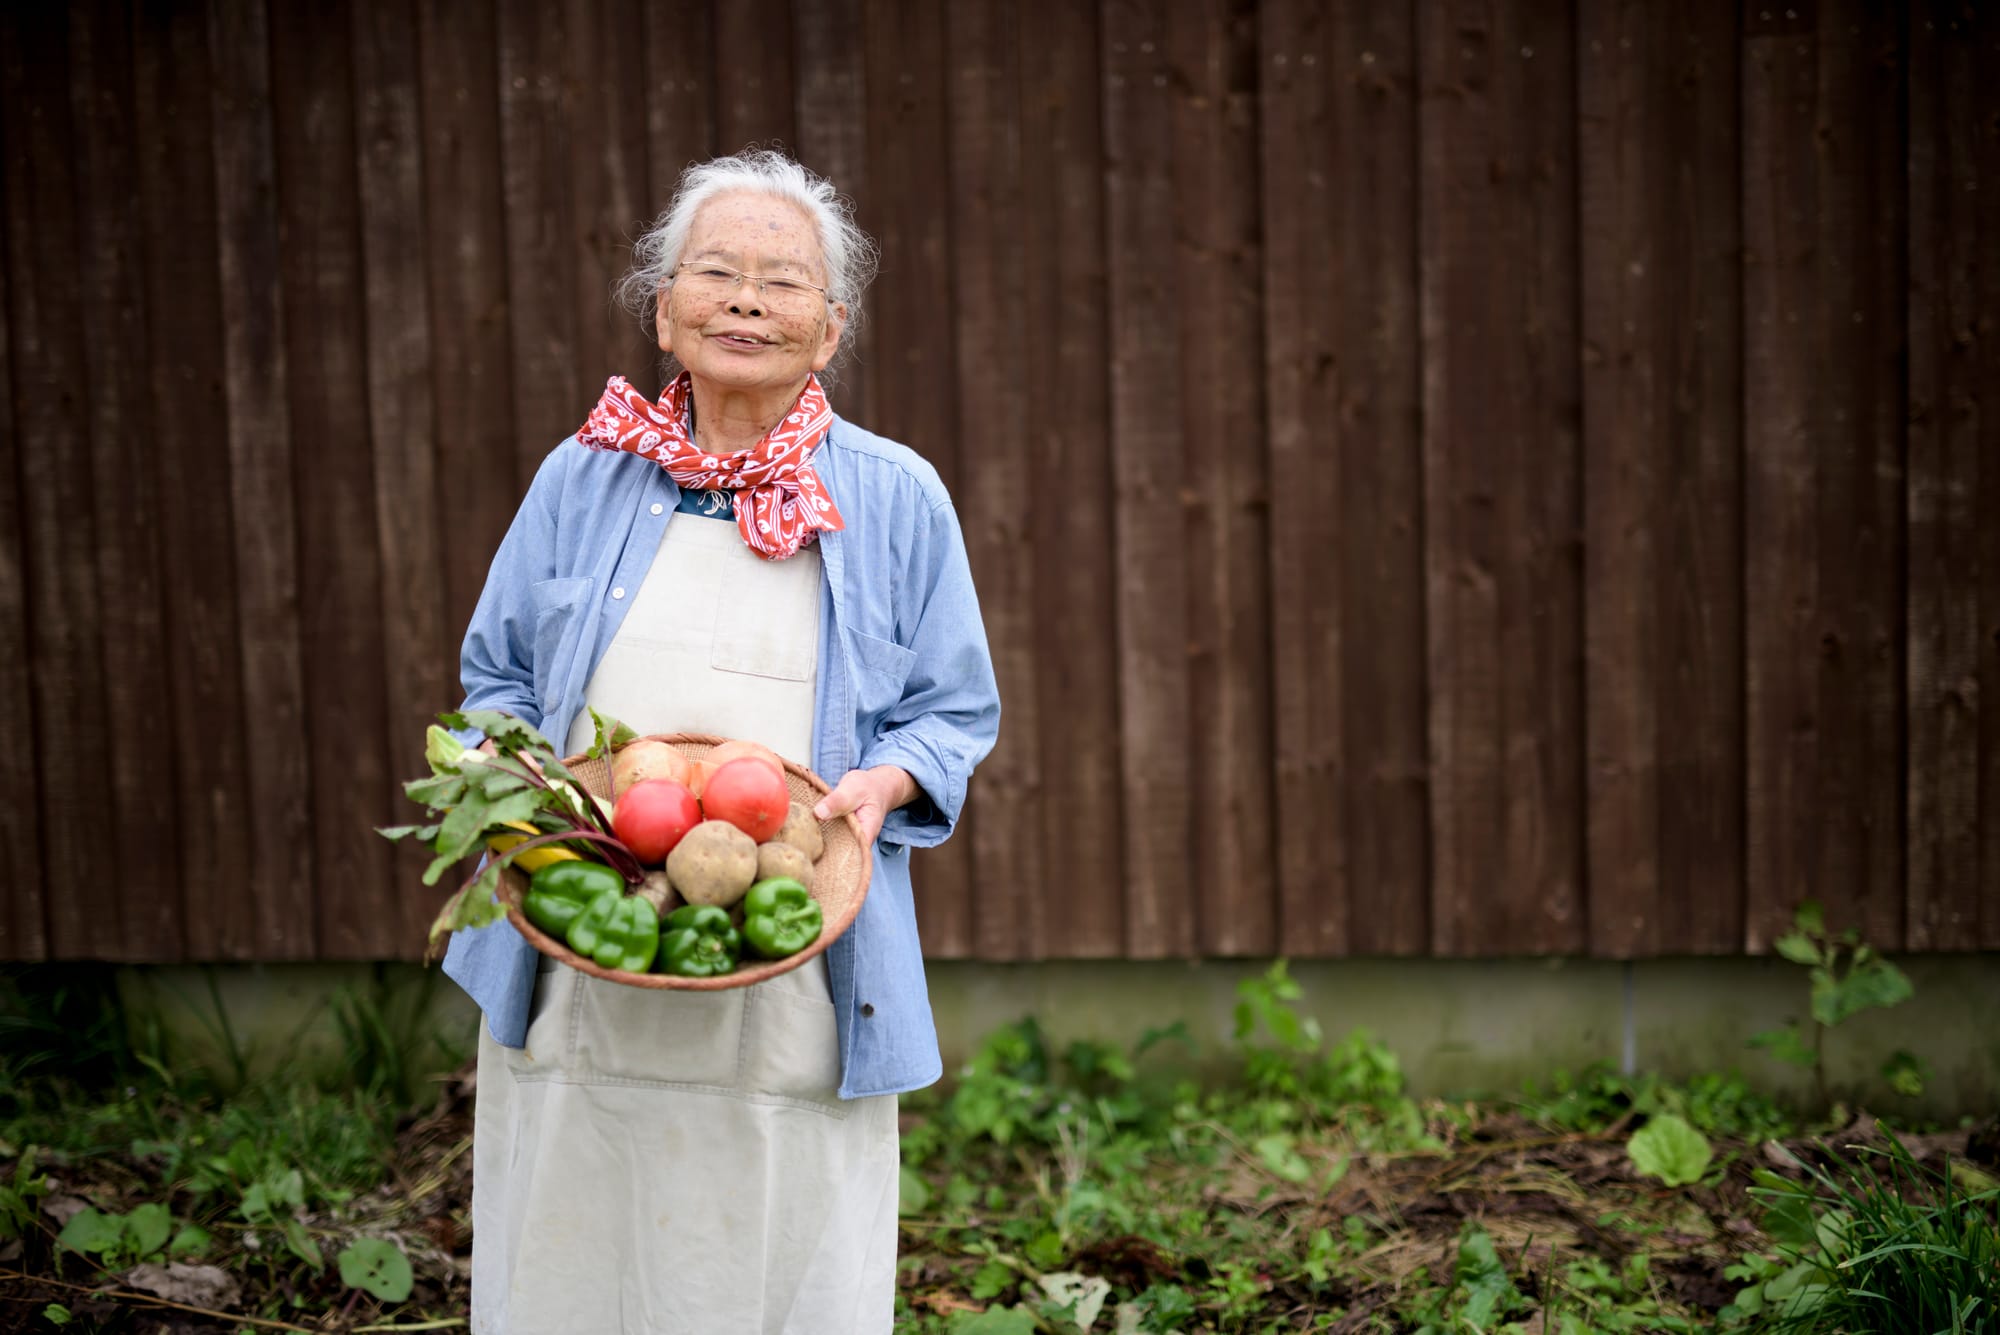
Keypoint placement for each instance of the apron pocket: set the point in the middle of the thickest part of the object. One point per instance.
(791, 1048)
(637, 1033)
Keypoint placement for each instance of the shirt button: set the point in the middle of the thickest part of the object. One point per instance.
(658, 508)
(866, 1009)
(618, 592)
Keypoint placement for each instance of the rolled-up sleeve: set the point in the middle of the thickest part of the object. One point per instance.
(949, 714)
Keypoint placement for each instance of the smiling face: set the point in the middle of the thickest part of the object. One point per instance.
(735, 343)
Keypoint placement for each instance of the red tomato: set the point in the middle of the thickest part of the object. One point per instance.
(749, 795)
(651, 817)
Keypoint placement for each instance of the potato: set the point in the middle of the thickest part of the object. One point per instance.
(776, 859)
(646, 759)
(801, 831)
(714, 863)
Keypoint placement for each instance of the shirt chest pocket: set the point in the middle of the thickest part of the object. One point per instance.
(881, 670)
(558, 608)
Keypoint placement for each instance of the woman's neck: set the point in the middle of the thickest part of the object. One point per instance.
(728, 420)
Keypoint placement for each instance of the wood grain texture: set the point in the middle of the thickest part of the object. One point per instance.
(1503, 509)
(59, 531)
(914, 379)
(206, 705)
(680, 114)
(536, 144)
(267, 405)
(23, 928)
(609, 194)
(753, 77)
(138, 779)
(417, 675)
(1066, 422)
(1984, 34)
(997, 490)
(1212, 50)
(1660, 215)
(830, 96)
(1150, 491)
(341, 626)
(470, 307)
(1954, 259)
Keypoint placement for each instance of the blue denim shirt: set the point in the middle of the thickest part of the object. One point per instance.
(904, 679)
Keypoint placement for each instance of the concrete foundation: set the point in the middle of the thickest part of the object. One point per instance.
(1459, 1027)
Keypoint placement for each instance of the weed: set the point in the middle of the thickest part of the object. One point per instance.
(1848, 977)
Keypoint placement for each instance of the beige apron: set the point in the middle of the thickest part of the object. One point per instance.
(678, 1161)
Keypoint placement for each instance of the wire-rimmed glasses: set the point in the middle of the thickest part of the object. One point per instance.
(707, 280)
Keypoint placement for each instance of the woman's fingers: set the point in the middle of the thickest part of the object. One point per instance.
(856, 793)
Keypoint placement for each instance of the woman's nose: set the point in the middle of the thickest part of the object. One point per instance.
(746, 300)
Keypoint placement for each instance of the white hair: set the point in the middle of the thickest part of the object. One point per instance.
(846, 250)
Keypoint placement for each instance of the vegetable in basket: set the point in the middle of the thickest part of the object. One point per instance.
(558, 895)
(618, 930)
(699, 941)
(780, 918)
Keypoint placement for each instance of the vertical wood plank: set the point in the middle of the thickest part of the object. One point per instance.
(680, 113)
(1781, 415)
(470, 307)
(1066, 422)
(1662, 622)
(1862, 226)
(341, 591)
(1213, 54)
(288, 840)
(753, 76)
(535, 149)
(1155, 753)
(45, 321)
(1954, 282)
(1983, 32)
(606, 102)
(914, 374)
(175, 83)
(23, 929)
(127, 546)
(994, 501)
(1502, 480)
(832, 139)
(417, 676)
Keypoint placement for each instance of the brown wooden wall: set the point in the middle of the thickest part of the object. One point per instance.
(1459, 479)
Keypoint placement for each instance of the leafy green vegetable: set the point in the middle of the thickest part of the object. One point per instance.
(1669, 1149)
(377, 1266)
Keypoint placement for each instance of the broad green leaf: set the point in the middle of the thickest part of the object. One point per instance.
(1045, 1250)
(610, 735)
(1810, 918)
(994, 1321)
(1784, 1044)
(465, 826)
(91, 1230)
(302, 1244)
(1875, 985)
(1277, 1153)
(994, 1278)
(1482, 1276)
(437, 792)
(1799, 948)
(441, 749)
(1905, 1072)
(504, 729)
(149, 1226)
(378, 1266)
(913, 1194)
(1669, 1149)
(191, 1240)
(56, 1314)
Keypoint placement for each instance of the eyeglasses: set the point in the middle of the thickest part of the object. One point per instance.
(705, 280)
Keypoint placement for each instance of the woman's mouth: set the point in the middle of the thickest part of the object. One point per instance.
(739, 339)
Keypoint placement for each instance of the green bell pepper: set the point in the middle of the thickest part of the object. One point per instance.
(560, 892)
(780, 917)
(699, 941)
(618, 930)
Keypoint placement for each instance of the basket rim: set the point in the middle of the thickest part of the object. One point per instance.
(513, 883)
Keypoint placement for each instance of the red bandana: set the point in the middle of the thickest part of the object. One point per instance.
(779, 498)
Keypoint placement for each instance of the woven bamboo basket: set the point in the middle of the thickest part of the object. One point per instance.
(840, 880)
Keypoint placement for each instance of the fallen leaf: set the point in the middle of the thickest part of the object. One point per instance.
(197, 1285)
(63, 1208)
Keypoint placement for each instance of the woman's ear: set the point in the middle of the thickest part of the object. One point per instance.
(836, 324)
(661, 323)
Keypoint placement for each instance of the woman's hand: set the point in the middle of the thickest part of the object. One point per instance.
(871, 794)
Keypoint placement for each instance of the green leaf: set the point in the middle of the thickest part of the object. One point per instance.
(1669, 1149)
(993, 1279)
(506, 731)
(1045, 1250)
(1810, 918)
(611, 734)
(1168, 1307)
(1906, 1073)
(56, 1314)
(191, 1240)
(441, 749)
(1799, 948)
(437, 792)
(995, 1321)
(377, 1266)
(913, 1195)
(302, 1244)
(1277, 1153)
(1077, 1296)
(91, 1230)
(1785, 1044)
(1480, 1272)
(1874, 985)
(149, 1226)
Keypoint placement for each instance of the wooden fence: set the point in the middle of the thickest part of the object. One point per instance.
(1458, 479)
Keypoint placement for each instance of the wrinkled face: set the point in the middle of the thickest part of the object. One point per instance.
(734, 341)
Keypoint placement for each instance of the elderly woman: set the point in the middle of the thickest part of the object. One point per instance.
(732, 559)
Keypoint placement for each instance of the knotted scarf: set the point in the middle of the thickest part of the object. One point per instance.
(780, 501)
